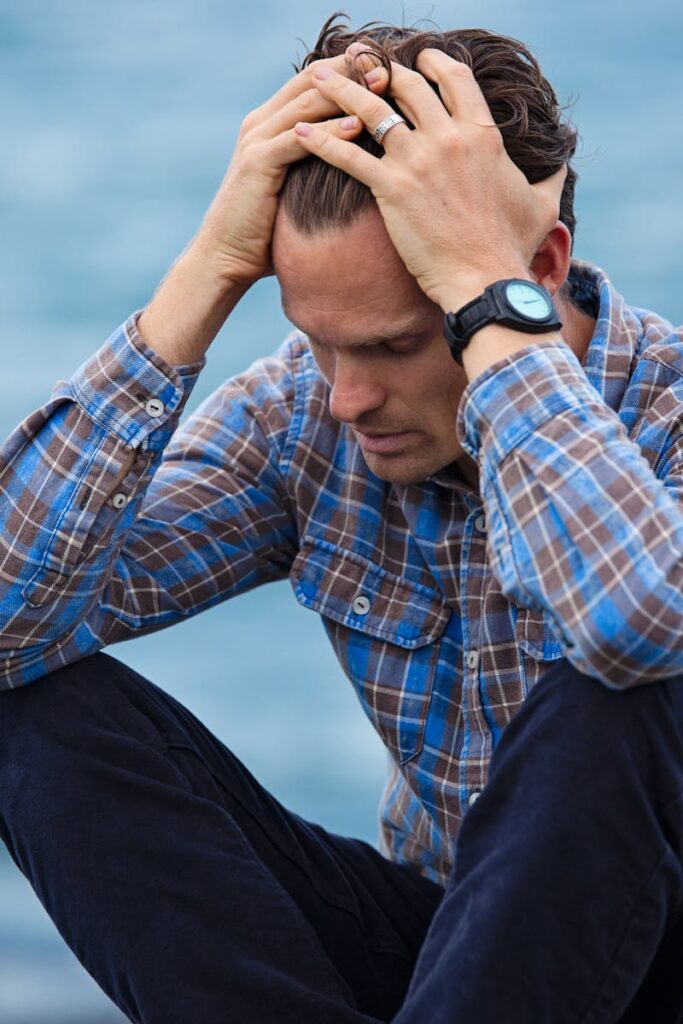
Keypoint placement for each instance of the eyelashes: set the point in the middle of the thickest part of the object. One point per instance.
(384, 348)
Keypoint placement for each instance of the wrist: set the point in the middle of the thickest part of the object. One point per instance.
(189, 307)
(205, 261)
(463, 288)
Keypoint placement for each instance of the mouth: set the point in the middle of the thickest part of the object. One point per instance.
(383, 444)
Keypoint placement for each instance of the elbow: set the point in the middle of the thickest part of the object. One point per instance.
(626, 654)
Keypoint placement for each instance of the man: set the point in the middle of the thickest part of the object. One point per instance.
(493, 542)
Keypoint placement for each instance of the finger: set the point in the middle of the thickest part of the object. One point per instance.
(295, 86)
(309, 105)
(417, 99)
(347, 156)
(458, 87)
(289, 146)
(356, 99)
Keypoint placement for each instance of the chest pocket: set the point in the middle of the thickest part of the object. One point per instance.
(535, 636)
(385, 632)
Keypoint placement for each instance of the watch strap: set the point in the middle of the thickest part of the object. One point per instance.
(492, 306)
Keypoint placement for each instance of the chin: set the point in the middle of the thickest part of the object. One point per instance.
(402, 469)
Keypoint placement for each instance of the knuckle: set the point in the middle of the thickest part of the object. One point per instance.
(460, 70)
(430, 55)
(450, 143)
(252, 159)
(377, 110)
(249, 122)
(413, 79)
(494, 138)
(421, 164)
(322, 139)
(305, 101)
(402, 180)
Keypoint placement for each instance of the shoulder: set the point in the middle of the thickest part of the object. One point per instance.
(661, 344)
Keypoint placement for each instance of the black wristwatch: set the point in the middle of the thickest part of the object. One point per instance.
(522, 305)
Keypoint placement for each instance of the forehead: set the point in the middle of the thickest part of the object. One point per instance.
(346, 285)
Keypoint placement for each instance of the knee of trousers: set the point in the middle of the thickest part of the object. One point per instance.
(53, 729)
(599, 728)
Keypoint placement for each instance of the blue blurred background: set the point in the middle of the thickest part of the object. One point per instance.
(117, 122)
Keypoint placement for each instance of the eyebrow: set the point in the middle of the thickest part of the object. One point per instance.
(415, 328)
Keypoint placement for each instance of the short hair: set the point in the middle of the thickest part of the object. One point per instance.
(316, 196)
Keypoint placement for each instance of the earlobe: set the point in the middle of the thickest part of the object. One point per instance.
(551, 262)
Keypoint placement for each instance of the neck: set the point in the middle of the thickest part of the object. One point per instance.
(577, 327)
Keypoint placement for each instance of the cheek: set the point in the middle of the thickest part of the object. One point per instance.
(437, 387)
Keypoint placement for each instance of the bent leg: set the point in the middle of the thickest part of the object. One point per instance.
(181, 885)
(567, 882)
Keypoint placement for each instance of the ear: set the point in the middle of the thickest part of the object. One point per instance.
(550, 265)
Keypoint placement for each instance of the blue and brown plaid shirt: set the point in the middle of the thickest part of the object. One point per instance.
(444, 605)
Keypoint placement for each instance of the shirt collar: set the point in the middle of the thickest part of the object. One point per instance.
(609, 357)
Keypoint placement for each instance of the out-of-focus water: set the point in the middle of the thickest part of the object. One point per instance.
(117, 121)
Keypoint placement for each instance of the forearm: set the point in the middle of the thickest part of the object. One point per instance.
(579, 523)
(73, 476)
(189, 308)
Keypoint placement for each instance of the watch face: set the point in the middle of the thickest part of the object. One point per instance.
(528, 301)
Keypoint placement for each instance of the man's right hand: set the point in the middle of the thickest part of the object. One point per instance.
(238, 226)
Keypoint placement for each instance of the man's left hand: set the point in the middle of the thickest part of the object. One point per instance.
(458, 211)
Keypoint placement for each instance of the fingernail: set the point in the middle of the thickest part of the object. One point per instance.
(373, 76)
(301, 128)
(323, 73)
(349, 122)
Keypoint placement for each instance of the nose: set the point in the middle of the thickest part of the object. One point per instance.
(355, 391)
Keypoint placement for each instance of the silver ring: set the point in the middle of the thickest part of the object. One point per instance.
(384, 126)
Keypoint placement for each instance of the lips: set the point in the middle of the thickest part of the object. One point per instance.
(383, 444)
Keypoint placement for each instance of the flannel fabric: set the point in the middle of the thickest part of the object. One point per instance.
(444, 605)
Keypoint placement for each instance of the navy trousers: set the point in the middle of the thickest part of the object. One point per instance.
(191, 895)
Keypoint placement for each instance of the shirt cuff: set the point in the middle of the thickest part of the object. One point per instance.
(128, 388)
(514, 396)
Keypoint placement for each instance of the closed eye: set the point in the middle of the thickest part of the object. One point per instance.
(399, 347)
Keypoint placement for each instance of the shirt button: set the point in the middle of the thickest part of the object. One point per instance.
(473, 797)
(361, 605)
(472, 659)
(154, 408)
(480, 523)
(119, 500)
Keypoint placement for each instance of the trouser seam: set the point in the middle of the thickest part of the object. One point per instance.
(624, 936)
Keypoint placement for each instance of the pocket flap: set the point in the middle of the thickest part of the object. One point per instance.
(534, 635)
(354, 592)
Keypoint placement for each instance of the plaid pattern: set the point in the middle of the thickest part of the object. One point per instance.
(444, 606)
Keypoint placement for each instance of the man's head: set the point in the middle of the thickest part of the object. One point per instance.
(345, 286)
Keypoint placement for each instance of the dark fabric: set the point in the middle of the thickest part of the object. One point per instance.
(190, 894)
(187, 891)
(564, 902)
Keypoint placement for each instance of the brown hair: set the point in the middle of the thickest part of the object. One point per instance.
(523, 104)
